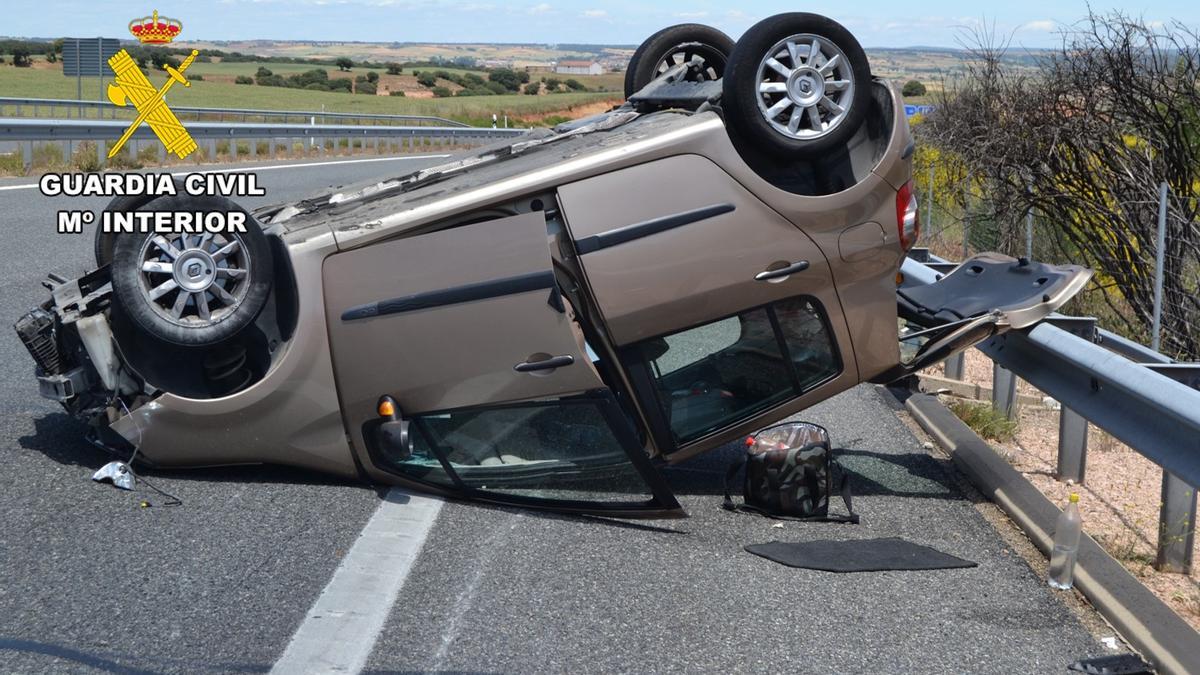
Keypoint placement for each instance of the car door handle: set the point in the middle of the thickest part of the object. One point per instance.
(548, 364)
(782, 272)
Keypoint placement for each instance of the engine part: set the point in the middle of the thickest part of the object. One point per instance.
(36, 330)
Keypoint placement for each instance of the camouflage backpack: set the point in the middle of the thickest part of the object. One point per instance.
(789, 475)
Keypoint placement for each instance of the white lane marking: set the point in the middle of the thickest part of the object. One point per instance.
(341, 628)
(272, 167)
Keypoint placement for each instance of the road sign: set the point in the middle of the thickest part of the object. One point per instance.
(88, 57)
(911, 110)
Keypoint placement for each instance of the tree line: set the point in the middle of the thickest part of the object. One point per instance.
(1085, 141)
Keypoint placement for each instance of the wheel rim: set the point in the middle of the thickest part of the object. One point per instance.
(194, 280)
(710, 61)
(805, 86)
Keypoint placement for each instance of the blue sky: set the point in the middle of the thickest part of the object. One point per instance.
(875, 22)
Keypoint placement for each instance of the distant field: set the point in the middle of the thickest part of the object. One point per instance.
(383, 52)
(605, 82)
(45, 82)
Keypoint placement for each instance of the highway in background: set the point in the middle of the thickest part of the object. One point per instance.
(90, 582)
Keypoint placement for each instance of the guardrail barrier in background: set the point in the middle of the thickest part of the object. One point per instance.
(1140, 397)
(27, 132)
(34, 107)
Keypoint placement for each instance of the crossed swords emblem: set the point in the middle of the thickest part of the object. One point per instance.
(132, 86)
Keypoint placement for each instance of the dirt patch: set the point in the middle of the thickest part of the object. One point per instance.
(1119, 499)
(575, 112)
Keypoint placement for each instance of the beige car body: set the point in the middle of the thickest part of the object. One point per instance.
(850, 235)
(422, 289)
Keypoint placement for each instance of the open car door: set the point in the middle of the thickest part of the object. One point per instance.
(468, 374)
(724, 314)
(987, 295)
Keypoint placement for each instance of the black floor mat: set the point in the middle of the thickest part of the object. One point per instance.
(858, 555)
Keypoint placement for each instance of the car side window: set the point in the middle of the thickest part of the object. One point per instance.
(558, 450)
(715, 375)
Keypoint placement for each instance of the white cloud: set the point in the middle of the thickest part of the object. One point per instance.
(1041, 25)
(594, 14)
(541, 9)
(691, 15)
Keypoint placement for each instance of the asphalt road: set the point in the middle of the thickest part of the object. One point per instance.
(90, 582)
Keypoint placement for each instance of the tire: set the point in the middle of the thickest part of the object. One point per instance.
(229, 283)
(102, 245)
(689, 38)
(781, 121)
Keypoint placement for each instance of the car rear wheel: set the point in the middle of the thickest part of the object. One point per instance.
(797, 85)
(669, 47)
(194, 289)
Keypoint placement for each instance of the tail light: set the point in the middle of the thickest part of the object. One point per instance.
(908, 216)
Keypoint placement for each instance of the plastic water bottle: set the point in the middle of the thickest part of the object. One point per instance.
(1066, 545)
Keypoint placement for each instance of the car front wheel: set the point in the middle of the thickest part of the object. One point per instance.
(193, 289)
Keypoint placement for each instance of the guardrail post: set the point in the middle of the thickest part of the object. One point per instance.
(1177, 516)
(27, 155)
(1073, 427)
(955, 365)
(1176, 526)
(1072, 446)
(1004, 390)
(101, 152)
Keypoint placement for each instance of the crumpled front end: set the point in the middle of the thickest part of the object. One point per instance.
(266, 395)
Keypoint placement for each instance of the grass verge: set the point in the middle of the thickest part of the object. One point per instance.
(985, 420)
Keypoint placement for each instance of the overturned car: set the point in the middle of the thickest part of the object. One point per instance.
(542, 321)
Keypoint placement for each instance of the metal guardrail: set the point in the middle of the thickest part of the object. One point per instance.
(17, 106)
(27, 132)
(1140, 397)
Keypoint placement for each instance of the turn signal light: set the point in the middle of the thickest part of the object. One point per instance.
(387, 407)
(908, 216)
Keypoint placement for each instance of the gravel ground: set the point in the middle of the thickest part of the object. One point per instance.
(1119, 499)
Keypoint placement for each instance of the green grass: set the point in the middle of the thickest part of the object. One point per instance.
(985, 420)
(27, 82)
(251, 67)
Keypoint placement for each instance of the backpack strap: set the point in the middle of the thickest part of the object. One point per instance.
(847, 498)
(730, 474)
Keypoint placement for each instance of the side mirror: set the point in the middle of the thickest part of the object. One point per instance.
(393, 434)
(395, 440)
